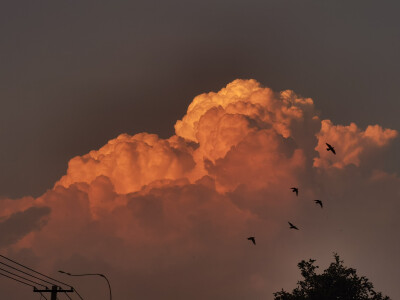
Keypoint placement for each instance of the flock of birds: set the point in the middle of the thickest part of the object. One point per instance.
(296, 190)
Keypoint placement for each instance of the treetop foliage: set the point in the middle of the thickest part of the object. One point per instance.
(337, 282)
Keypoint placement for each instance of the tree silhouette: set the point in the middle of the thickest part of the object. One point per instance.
(335, 283)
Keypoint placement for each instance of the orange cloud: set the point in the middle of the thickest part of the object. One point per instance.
(215, 124)
(131, 162)
(167, 210)
(351, 143)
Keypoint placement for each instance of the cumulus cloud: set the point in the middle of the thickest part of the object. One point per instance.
(171, 216)
(354, 143)
(131, 162)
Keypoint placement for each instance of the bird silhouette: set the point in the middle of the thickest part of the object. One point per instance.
(253, 239)
(292, 226)
(318, 202)
(295, 190)
(330, 148)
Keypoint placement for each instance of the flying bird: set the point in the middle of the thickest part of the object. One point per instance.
(253, 239)
(318, 202)
(295, 190)
(330, 148)
(292, 226)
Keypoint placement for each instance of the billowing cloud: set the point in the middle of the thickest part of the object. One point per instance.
(131, 162)
(171, 216)
(354, 143)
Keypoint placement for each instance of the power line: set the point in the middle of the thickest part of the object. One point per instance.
(54, 289)
(78, 294)
(17, 280)
(41, 295)
(23, 278)
(21, 265)
(25, 273)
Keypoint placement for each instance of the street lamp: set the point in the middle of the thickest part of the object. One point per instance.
(91, 274)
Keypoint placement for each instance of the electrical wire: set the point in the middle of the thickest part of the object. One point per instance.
(21, 265)
(24, 278)
(89, 274)
(34, 282)
(28, 274)
(41, 295)
(78, 294)
(17, 280)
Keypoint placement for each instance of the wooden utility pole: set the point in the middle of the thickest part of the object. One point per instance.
(54, 290)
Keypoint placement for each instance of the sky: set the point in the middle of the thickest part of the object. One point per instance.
(148, 140)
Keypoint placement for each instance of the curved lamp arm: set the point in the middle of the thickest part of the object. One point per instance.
(91, 274)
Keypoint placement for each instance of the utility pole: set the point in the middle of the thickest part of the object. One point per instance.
(54, 290)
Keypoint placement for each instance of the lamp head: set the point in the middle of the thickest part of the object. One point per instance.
(60, 271)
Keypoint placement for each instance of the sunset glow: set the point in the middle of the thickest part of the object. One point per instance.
(151, 207)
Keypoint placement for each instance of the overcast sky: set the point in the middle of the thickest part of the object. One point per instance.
(76, 74)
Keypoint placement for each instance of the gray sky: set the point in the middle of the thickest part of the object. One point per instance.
(75, 74)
